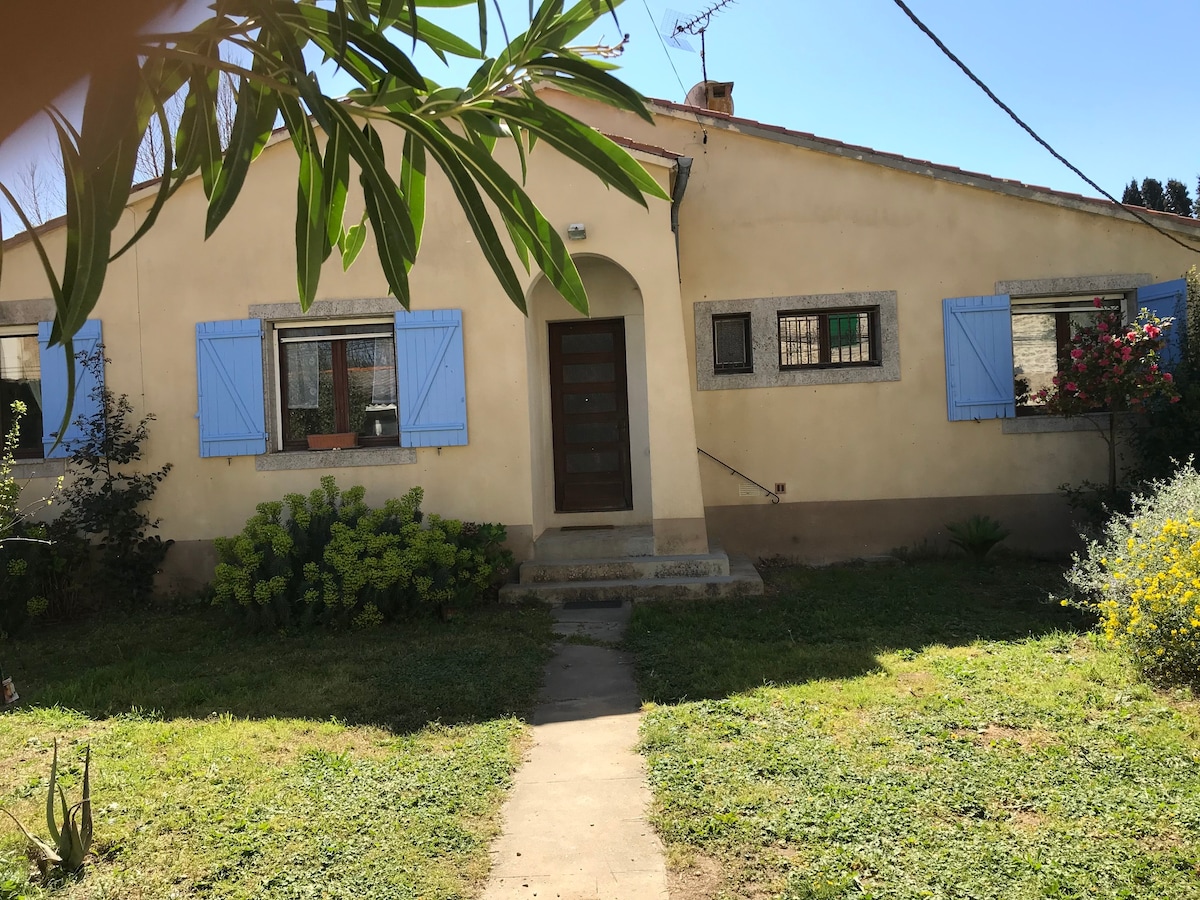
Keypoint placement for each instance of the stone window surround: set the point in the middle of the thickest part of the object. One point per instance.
(1065, 287)
(275, 460)
(764, 335)
(29, 313)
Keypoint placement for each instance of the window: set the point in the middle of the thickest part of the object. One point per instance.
(1002, 347)
(338, 378)
(1041, 333)
(21, 379)
(836, 338)
(397, 382)
(846, 338)
(732, 347)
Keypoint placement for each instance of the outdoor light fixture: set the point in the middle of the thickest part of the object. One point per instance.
(577, 232)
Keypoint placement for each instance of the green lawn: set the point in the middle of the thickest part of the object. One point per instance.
(929, 730)
(365, 764)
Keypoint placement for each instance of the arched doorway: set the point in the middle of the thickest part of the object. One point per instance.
(588, 389)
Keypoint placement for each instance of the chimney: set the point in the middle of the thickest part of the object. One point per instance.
(718, 96)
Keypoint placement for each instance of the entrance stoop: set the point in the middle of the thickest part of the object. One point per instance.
(618, 563)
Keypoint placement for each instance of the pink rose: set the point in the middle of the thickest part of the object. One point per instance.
(1168, 377)
(1153, 331)
(1076, 353)
(1071, 387)
(1103, 326)
(1097, 302)
(1175, 399)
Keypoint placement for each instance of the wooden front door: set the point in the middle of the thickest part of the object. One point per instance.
(589, 403)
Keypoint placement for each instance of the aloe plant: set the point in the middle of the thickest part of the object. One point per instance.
(73, 840)
(977, 535)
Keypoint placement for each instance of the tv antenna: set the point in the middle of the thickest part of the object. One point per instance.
(676, 25)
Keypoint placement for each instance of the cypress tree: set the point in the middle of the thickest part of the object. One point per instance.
(1133, 195)
(1154, 195)
(1179, 201)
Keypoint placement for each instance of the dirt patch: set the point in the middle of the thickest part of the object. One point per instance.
(1025, 738)
(1163, 842)
(700, 879)
(1027, 820)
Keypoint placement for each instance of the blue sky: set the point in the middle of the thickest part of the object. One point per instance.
(1110, 84)
(1105, 82)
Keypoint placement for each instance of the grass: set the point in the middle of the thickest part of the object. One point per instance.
(933, 730)
(367, 764)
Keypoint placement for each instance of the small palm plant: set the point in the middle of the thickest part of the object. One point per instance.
(977, 535)
(74, 839)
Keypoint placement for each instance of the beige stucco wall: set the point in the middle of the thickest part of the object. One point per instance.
(762, 218)
(154, 296)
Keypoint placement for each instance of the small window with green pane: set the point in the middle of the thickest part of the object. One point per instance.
(829, 339)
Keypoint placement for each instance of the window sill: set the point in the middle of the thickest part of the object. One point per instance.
(335, 459)
(24, 469)
(1052, 424)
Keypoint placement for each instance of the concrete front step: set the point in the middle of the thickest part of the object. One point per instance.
(743, 579)
(594, 543)
(628, 568)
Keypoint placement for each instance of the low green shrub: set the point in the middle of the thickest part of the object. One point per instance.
(44, 576)
(1142, 578)
(977, 535)
(42, 567)
(329, 559)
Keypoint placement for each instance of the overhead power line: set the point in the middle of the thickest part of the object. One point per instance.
(1033, 134)
(662, 43)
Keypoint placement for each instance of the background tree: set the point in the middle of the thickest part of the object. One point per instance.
(1154, 195)
(457, 129)
(1178, 200)
(1133, 195)
(150, 152)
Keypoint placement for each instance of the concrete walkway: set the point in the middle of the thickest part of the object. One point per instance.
(575, 822)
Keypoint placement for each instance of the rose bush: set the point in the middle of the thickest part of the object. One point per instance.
(1111, 368)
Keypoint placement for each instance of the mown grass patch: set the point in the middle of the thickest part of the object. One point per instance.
(934, 730)
(369, 764)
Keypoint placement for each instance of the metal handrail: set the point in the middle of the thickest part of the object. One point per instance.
(732, 471)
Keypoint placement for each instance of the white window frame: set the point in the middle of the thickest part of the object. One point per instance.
(275, 316)
(387, 329)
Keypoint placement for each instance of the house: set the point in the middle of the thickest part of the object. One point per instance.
(832, 327)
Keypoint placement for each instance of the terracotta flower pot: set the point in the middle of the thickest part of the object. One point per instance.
(332, 441)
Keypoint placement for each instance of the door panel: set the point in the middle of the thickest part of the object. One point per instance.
(589, 401)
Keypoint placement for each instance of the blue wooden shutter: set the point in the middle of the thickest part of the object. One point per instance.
(1168, 299)
(53, 361)
(432, 376)
(979, 357)
(229, 378)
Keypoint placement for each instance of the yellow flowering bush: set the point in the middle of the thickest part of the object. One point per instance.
(1143, 580)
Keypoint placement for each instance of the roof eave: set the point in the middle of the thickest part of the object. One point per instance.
(951, 174)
